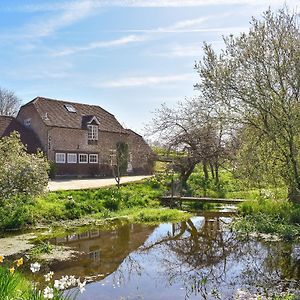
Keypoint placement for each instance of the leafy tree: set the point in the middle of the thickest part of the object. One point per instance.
(21, 174)
(119, 161)
(9, 103)
(256, 81)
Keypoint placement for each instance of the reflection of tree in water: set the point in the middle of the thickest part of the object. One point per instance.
(272, 265)
(129, 268)
(198, 250)
(205, 258)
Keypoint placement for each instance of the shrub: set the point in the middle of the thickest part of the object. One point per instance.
(20, 173)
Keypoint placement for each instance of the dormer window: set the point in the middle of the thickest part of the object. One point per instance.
(92, 132)
(92, 126)
(70, 108)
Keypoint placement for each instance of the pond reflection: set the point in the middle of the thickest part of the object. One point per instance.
(197, 259)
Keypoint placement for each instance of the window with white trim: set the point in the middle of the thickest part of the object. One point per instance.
(93, 158)
(72, 158)
(60, 158)
(92, 132)
(83, 158)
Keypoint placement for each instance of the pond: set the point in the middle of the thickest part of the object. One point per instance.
(197, 259)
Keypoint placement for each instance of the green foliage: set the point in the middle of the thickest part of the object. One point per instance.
(270, 216)
(152, 215)
(122, 156)
(63, 205)
(40, 248)
(252, 82)
(231, 186)
(15, 213)
(52, 169)
(20, 173)
(10, 284)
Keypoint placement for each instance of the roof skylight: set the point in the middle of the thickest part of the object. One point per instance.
(70, 108)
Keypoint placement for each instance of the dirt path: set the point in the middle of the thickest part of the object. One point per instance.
(81, 184)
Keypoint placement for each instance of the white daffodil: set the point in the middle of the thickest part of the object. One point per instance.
(48, 293)
(49, 276)
(81, 286)
(59, 285)
(35, 267)
(72, 280)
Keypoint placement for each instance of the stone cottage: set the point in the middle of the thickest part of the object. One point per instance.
(79, 138)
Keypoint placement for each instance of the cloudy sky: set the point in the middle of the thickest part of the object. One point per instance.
(128, 56)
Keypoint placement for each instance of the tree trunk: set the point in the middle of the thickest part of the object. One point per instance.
(294, 194)
(205, 171)
(212, 171)
(217, 172)
(294, 188)
(184, 176)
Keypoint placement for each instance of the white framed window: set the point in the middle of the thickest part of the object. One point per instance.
(72, 158)
(83, 158)
(60, 158)
(92, 132)
(93, 158)
(27, 122)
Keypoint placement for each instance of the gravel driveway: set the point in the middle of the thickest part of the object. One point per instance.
(81, 184)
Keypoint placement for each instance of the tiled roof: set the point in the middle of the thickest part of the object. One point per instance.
(28, 137)
(54, 113)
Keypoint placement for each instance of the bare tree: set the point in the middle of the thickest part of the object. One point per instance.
(9, 103)
(195, 129)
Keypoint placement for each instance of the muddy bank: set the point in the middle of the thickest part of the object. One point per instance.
(16, 244)
(23, 243)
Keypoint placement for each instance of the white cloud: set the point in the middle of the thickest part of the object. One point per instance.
(71, 14)
(100, 44)
(192, 50)
(144, 81)
(176, 27)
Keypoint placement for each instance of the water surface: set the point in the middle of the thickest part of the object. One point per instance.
(197, 259)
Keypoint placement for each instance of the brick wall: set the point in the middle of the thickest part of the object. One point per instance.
(68, 140)
(36, 123)
(142, 155)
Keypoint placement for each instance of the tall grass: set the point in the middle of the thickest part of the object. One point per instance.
(12, 285)
(66, 205)
(279, 217)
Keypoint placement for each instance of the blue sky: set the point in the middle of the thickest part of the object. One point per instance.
(128, 56)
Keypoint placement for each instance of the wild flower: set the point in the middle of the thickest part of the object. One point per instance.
(59, 285)
(54, 290)
(20, 262)
(81, 286)
(49, 276)
(48, 293)
(35, 267)
(72, 280)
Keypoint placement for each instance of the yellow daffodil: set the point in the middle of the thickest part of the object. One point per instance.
(12, 270)
(20, 262)
(1, 258)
